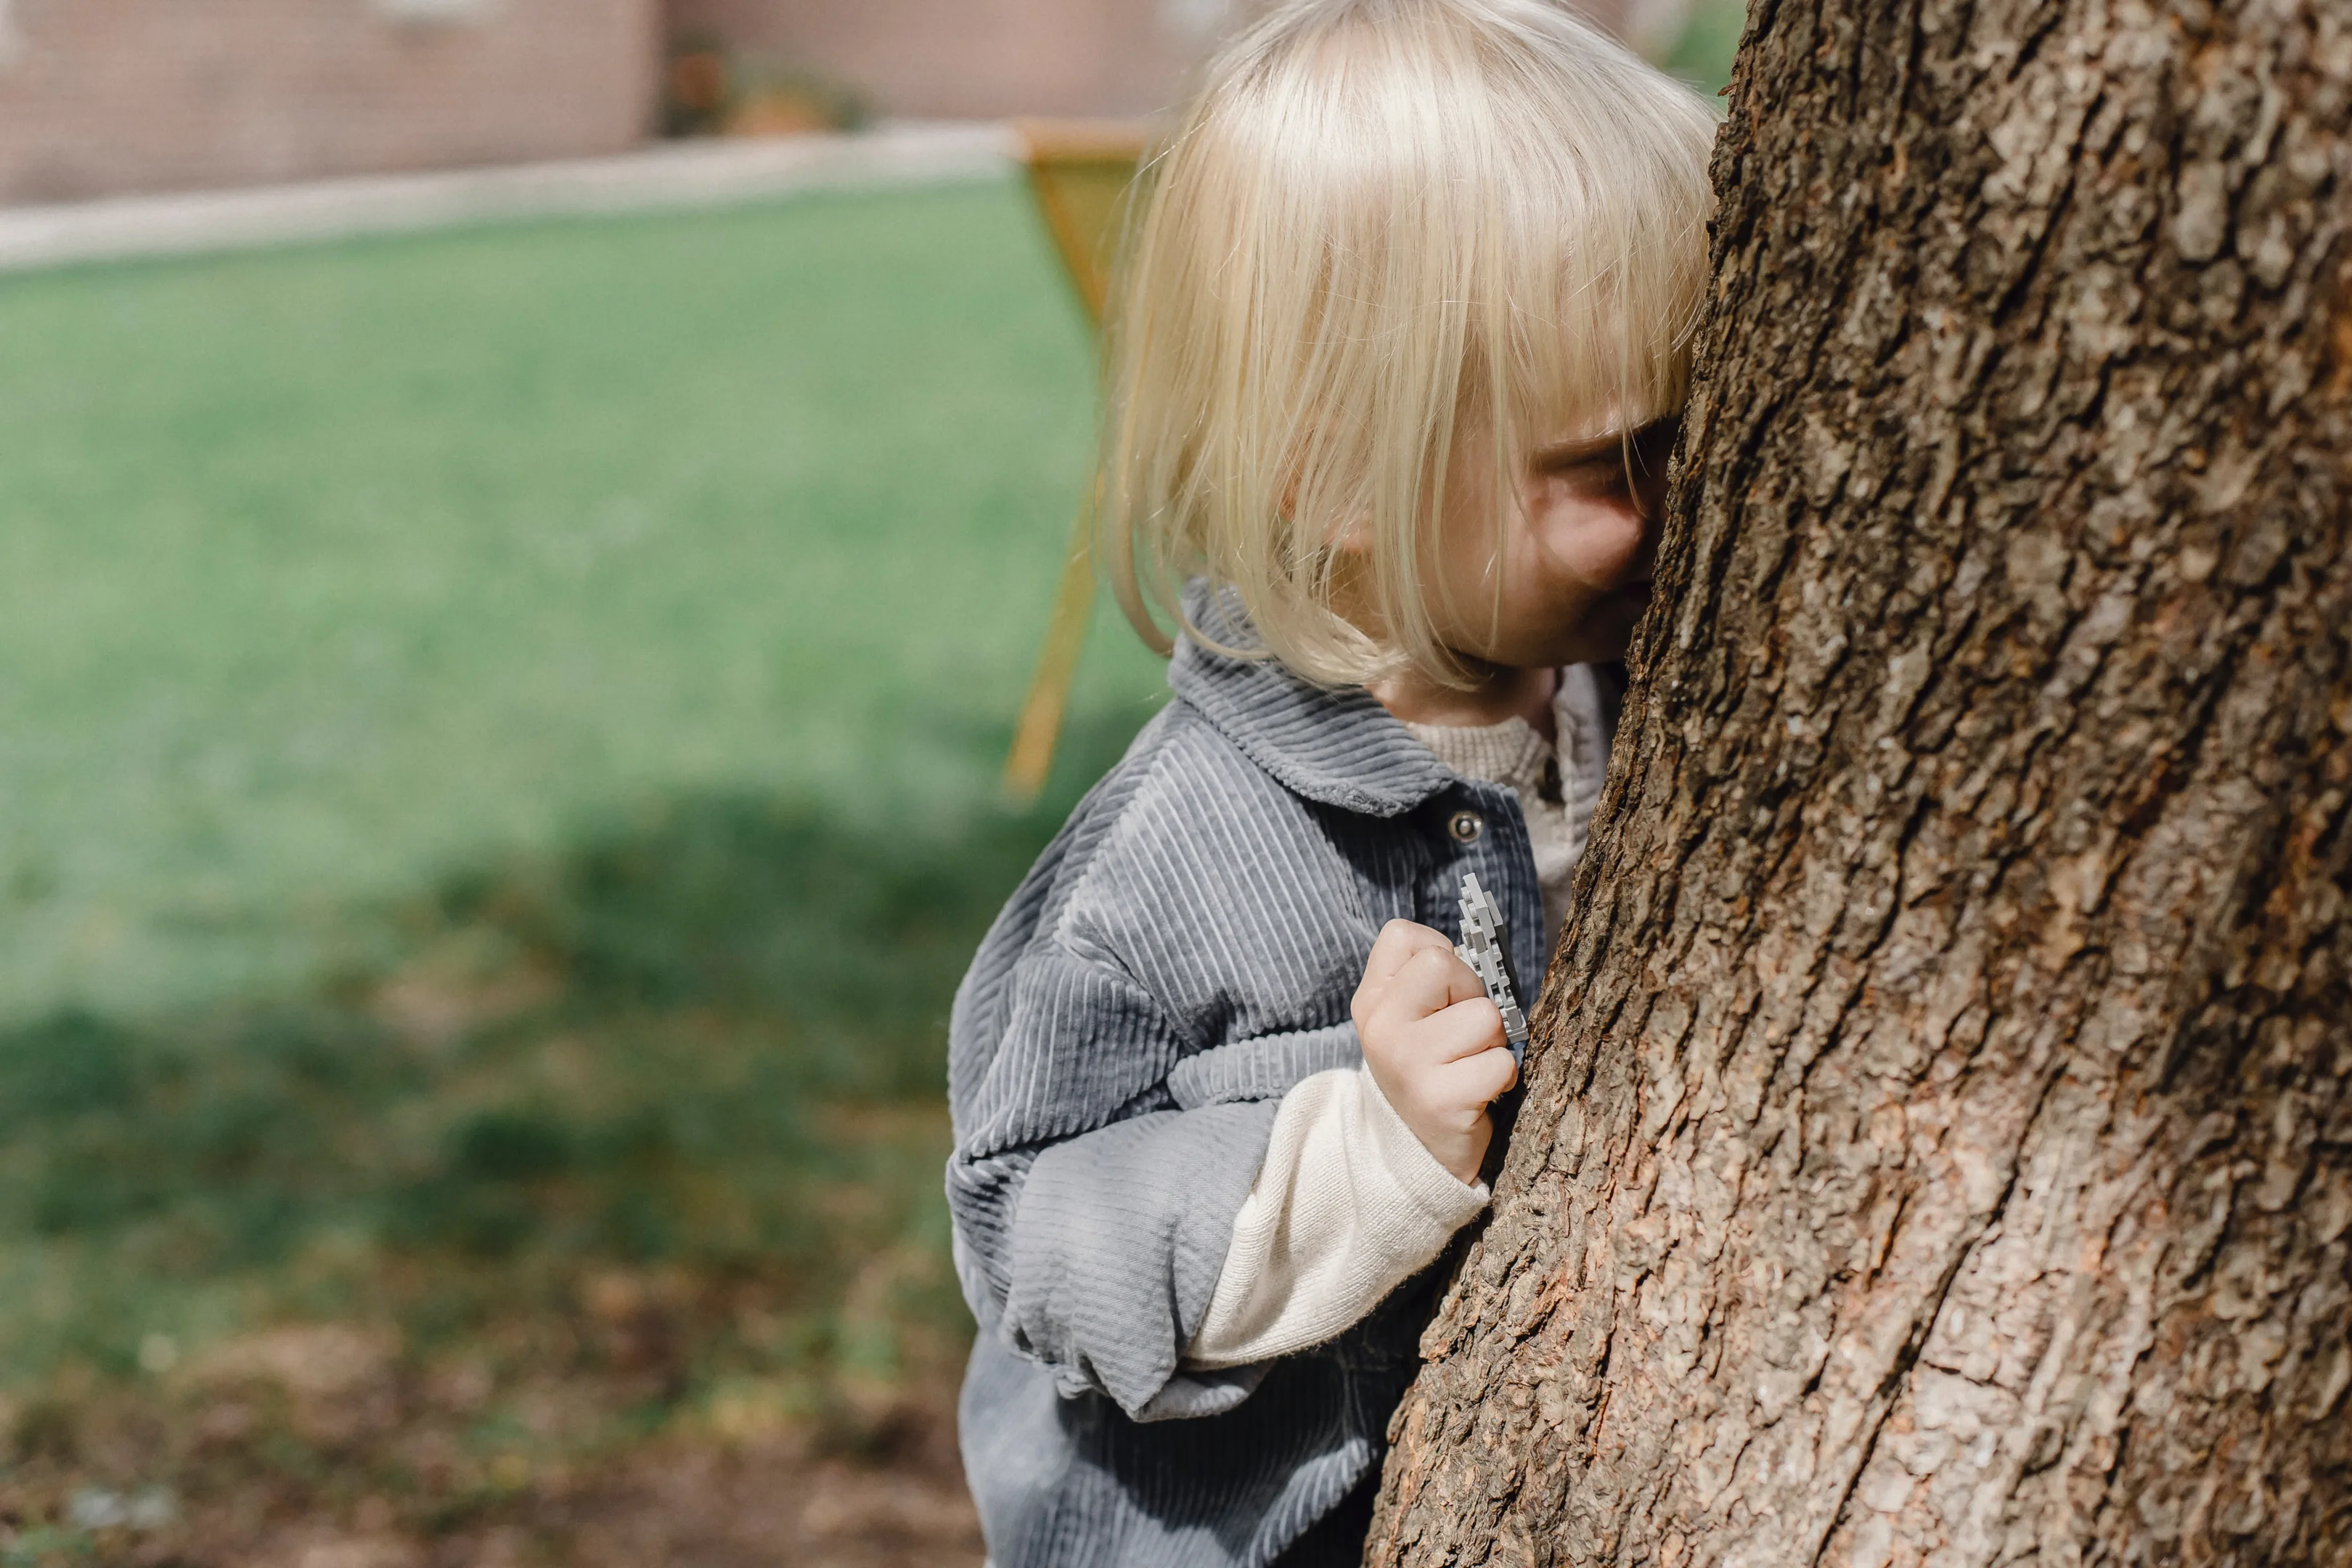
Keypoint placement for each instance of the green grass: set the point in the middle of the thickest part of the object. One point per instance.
(712, 1042)
(1701, 52)
(326, 570)
(647, 1131)
(498, 741)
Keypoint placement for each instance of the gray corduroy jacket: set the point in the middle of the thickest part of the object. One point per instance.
(1182, 954)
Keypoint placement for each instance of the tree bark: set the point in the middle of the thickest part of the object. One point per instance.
(1937, 1146)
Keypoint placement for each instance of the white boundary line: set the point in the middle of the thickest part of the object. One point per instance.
(667, 174)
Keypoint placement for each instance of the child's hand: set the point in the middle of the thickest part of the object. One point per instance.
(1434, 1043)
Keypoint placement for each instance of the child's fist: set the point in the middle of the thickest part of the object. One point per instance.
(1434, 1043)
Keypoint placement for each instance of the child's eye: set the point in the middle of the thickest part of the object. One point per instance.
(1598, 477)
(1653, 443)
(1613, 466)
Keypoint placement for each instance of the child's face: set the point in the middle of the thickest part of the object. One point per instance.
(1574, 555)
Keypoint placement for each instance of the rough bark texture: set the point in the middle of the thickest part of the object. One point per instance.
(1939, 1146)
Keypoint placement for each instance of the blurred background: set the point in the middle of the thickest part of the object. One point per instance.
(525, 526)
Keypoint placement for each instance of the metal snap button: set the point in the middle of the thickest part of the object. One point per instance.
(1465, 827)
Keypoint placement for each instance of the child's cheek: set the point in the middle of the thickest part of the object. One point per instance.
(1598, 541)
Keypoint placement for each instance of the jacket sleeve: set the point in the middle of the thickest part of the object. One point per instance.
(1092, 1217)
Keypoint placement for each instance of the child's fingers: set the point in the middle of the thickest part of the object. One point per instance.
(1432, 980)
(1477, 1079)
(1463, 1028)
(1398, 944)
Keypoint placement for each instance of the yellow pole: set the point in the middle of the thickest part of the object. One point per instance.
(1040, 724)
(1078, 172)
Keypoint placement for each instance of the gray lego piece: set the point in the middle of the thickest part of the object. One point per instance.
(1482, 949)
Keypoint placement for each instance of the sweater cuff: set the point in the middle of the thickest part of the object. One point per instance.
(1346, 1207)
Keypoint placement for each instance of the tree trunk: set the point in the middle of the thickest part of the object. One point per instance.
(1937, 1146)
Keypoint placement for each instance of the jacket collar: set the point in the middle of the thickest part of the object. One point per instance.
(1337, 746)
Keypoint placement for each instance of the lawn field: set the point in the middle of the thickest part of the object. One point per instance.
(497, 740)
(326, 570)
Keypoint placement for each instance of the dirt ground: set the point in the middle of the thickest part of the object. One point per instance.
(315, 1449)
(754, 1505)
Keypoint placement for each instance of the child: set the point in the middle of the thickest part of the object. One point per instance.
(1393, 378)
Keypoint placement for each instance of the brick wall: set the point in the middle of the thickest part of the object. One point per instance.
(986, 58)
(102, 96)
(971, 58)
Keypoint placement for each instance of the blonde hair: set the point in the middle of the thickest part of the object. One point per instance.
(1385, 227)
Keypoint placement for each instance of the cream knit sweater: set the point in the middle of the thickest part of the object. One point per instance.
(1349, 1204)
